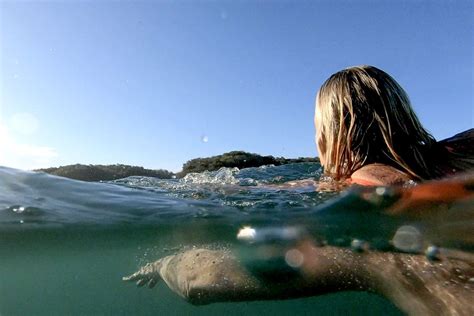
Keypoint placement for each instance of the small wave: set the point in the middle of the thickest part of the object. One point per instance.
(221, 177)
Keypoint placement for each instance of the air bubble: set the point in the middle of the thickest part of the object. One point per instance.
(432, 253)
(358, 245)
(294, 258)
(408, 238)
(247, 233)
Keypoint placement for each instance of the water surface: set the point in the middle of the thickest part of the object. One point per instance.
(65, 244)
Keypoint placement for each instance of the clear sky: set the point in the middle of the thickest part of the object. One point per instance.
(156, 83)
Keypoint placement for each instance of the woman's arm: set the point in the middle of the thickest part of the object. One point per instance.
(416, 285)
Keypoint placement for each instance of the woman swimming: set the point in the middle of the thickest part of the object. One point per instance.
(367, 133)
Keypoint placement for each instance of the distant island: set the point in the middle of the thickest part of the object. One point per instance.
(239, 159)
(105, 172)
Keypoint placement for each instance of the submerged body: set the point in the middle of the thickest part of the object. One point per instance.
(443, 283)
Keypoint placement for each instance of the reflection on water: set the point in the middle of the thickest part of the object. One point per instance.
(65, 245)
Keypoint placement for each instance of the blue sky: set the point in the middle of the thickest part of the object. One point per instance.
(156, 83)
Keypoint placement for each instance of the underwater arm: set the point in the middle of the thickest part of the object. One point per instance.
(200, 276)
(203, 276)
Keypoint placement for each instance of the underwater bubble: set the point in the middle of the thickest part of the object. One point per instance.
(432, 253)
(358, 245)
(247, 233)
(408, 239)
(271, 234)
(294, 258)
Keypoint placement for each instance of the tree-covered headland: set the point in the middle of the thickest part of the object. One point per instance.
(105, 172)
(239, 159)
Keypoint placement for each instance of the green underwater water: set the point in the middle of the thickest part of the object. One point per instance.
(79, 273)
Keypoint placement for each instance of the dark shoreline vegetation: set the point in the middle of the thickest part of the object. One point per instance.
(239, 159)
(105, 172)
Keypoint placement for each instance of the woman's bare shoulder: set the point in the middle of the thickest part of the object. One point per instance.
(379, 174)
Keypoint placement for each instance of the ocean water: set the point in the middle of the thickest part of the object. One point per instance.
(66, 244)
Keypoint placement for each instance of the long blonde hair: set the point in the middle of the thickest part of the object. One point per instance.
(364, 116)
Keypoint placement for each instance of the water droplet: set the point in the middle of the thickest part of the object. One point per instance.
(294, 258)
(22, 221)
(358, 245)
(408, 238)
(432, 253)
(204, 139)
(247, 233)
